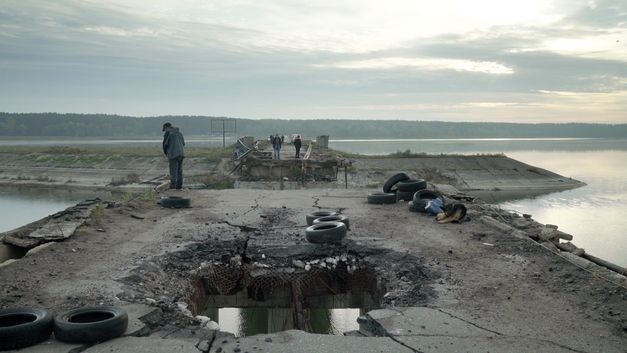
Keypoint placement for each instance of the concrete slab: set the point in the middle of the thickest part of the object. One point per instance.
(138, 316)
(302, 342)
(49, 346)
(145, 345)
(422, 321)
(501, 344)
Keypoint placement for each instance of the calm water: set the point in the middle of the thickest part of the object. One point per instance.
(593, 214)
(20, 206)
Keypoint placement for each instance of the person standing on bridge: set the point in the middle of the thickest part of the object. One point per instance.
(174, 150)
(297, 145)
(276, 146)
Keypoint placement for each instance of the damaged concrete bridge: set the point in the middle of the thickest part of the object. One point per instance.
(466, 287)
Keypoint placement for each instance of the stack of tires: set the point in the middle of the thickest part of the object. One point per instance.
(23, 327)
(326, 227)
(400, 187)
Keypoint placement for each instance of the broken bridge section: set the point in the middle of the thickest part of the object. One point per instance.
(314, 163)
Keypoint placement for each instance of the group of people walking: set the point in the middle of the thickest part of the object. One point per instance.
(277, 143)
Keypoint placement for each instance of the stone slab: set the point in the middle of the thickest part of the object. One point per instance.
(302, 342)
(422, 321)
(138, 316)
(433, 344)
(145, 345)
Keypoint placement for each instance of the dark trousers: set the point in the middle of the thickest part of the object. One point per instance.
(297, 151)
(176, 172)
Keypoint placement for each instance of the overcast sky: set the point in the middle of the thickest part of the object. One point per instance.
(452, 60)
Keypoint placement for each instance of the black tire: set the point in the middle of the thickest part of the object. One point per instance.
(404, 195)
(90, 324)
(336, 218)
(420, 205)
(175, 202)
(412, 207)
(326, 233)
(318, 214)
(24, 327)
(392, 181)
(382, 197)
(412, 185)
(421, 198)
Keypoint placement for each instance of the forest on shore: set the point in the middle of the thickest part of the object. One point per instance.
(116, 126)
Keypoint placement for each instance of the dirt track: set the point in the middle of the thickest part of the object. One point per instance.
(510, 287)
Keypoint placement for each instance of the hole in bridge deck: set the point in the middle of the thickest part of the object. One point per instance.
(320, 300)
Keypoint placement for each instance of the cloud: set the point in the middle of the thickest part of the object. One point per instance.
(452, 59)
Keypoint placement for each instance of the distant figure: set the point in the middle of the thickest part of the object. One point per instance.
(276, 146)
(297, 144)
(282, 139)
(174, 149)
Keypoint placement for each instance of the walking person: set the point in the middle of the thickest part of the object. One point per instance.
(174, 150)
(297, 144)
(276, 146)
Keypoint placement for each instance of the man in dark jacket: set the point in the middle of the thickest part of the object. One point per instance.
(276, 146)
(297, 145)
(174, 149)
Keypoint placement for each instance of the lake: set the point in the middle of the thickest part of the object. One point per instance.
(22, 205)
(593, 214)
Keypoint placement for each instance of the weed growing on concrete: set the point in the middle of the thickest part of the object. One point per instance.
(97, 214)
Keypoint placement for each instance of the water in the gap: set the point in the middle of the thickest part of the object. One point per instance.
(316, 301)
(253, 321)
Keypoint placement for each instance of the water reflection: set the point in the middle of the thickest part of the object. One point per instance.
(474, 146)
(593, 214)
(253, 321)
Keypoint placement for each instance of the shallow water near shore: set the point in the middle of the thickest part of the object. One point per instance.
(22, 205)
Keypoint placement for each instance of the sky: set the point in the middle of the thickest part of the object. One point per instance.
(451, 60)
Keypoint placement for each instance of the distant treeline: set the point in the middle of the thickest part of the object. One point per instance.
(100, 125)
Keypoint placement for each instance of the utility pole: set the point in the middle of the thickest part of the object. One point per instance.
(223, 126)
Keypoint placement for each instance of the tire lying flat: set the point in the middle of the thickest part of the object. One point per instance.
(390, 184)
(175, 202)
(24, 327)
(336, 218)
(326, 233)
(315, 215)
(90, 324)
(382, 198)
